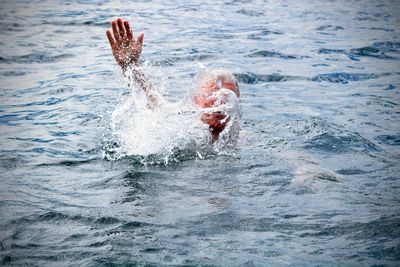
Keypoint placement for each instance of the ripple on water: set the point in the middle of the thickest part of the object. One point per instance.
(338, 143)
(329, 28)
(13, 73)
(266, 53)
(350, 172)
(107, 220)
(9, 163)
(313, 133)
(250, 13)
(334, 77)
(253, 78)
(378, 50)
(262, 34)
(98, 23)
(62, 217)
(344, 78)
(170, 61)
(37, 57)
(393, 140)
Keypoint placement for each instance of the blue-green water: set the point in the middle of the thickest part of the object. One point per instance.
(315, 175)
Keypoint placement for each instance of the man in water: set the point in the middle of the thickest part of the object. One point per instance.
(213, 91)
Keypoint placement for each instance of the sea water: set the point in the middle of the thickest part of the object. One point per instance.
(90, 178)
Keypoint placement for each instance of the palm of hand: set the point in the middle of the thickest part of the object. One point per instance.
(126, 54)
(125, 48)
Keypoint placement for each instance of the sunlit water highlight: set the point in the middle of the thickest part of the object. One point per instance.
(88, 177)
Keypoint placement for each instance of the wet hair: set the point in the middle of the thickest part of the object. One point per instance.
(221, 75)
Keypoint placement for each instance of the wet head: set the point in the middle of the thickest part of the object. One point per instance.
(212, 93)
(213, 82)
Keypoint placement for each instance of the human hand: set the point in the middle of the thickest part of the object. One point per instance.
(125, 48)
(216, 120)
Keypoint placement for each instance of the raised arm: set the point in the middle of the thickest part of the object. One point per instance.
(127, 50)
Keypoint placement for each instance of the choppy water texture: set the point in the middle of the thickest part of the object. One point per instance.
(315, 178)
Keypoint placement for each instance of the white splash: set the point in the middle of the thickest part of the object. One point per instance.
(227, 103)
(172, 129)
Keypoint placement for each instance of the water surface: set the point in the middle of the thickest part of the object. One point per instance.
(315, 175)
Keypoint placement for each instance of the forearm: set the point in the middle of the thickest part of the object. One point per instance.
(126, 51)
(134, 72)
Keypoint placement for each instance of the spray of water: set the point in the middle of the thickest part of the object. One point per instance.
(171, 132)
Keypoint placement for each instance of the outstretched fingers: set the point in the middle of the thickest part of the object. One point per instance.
(125, 48)
(110, 38)
(140, 39)
(128, 30)
(115, 31)
(121, 29)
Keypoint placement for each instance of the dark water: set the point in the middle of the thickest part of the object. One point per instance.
(315, 179)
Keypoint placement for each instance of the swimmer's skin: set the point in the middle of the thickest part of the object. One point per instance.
(127, 50)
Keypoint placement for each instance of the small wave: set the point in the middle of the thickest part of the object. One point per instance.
(49, 102)
(308, 175)
(89, 23)
(313, 172)
(60, 216)
(30, 139)
(134, 224)
(10, 119)
(67, 162)
(390, 87)
(99, 243)
(25, 246)
(107, 220)
(11, 27)
(344, 77)
(53, 215)
(329, 51)
(365, 18)
(98, 21)
(11, 163)
(377, 50)
(329, 28)
(6, 259)
(57, 154)
(75, 237)
(393, 140)
(387, 46)
(338, 143)
(369, 51)
(263, 33)
(13, 73)
(382, 29)
(335, 77)
(316, 134)
(64, 133)
(180, 55)
(152, 250)
(385, 226)
(252, 78)
(38, 57)
(251, 13)
(350, 172)
(170, 61)
(266, 53)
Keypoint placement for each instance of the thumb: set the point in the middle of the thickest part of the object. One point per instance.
(140, 39)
